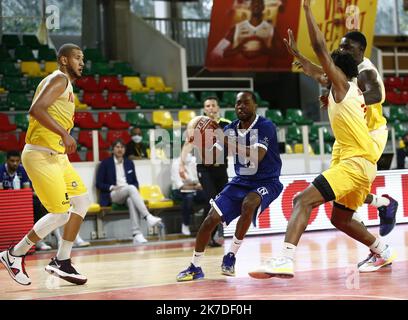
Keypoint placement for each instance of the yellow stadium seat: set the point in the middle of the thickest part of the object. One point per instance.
(154, 197)
(134, 84)
(32, 69)
(2, 90)
(401, 144)
(298, 148)
(50, 66)
(185, 116)
(288, 148)
(94, 208)
(157, 84)
(162, 118)
(78, 104)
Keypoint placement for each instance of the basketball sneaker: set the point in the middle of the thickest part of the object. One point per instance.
(15, 267)
(191, 273)
(378, 261)
(370, 255)
(387, 216)
(228, 264)
(276, 267)
(65, 270)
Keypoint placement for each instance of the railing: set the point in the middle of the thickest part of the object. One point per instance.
(189, 33)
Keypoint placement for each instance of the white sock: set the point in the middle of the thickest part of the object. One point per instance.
(64, 251)
(289, 250)
(235, 244)
(378, 246)
(196, 260)
(21, 248)
(379, 201)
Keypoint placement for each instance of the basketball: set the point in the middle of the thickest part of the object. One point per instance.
(200, 129)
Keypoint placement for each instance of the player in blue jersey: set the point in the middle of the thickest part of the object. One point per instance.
(252, 140)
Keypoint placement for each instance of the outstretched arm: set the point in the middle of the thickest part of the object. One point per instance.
(335, 75)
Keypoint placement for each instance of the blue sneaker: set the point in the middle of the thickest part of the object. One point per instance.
(387, 216)
(191, 273)
(228, 264)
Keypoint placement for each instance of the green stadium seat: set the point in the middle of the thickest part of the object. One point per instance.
(14, 84)
(295, 116)
(230, 115)
(31, 40)
(21, 120)
(261, 103)
(144, 100)
(138, 119)
(205, 94)
(189, 100)
(229, 98)
(46, 54)
(8, 68)
(101, 68)
(11, 41)
(18, 101)
(33, 82)
(294, 134)
(328, 147)
(398, 113)
(94, 55)
(400, 130)
(24, 53)
(276, 116)
(4, 54)
(3, 157)
(167, 100)
(314, 134)
(124, 69)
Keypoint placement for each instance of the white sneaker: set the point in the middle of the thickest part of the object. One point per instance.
(79, 242)
(185, 230)
(42, 246)
(152, 220)
(378, 261)
(276, 267)
(138, 238)
(16, 267)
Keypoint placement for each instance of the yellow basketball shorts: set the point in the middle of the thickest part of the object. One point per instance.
(53, 177)
(351, 180)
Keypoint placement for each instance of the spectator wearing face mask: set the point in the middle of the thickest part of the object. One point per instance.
(402, 153)
(136, 149)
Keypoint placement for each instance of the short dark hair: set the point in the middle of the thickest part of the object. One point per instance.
(346, 63)
(357, 36)
(13, 153)
(118, 141)
(65, 50)
(252, 95)
(211, 98)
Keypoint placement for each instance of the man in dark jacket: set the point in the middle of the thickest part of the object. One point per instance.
(116, 179)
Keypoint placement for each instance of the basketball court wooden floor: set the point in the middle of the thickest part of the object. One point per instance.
(326, 269)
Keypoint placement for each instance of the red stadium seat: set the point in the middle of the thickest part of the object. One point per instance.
(392, 83)
(85, 120)
(121, 100)
(393, 97)
(8, 141)
(404, 83)
(5, 124)
(404, 97)
(103, 154)
(112, 120)
(88, 84)
(85, 139)
(111, 83)
(123, 135)
(96, 100)
(74, 157)
(21, 140)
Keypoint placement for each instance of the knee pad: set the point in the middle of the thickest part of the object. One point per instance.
(80, 205)
(50, 222)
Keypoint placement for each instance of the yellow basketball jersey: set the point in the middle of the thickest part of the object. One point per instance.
(62, 111)
(348, 121)
(375, 118)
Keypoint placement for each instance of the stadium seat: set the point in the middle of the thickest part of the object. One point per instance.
(112, 120)
(24, 53)
(103, 154)
(314, 134)
(144, 100)
(298, 148)
(276, 116)
(18, 101)
(167, 100)
(33, 82)
(400, 130)
(157, 84)
(162, 118)
(96, 100)
(391, 83)
(393, 97)
(293, 134)
(50, 66)
(11, 41)
(46, 54)
(15, 84)
(185, 116)
(328, 148)
(135, 84)
(138, 119)
(398, 114)
(101, 68)
(94, 55)
(31, 41)
(154, 197)
(5, 54)
(21, 121)
(120, 100)
(260, 102)
(74, 157)
(404, 97)
(295, 116)
(205, 94)
(8, 141)
(111, 83)
(5, 123)
(88, 84)
(229, 99)
(189, 100)
(85, 139)
(21, 141)
(8, 68)
(405, 83)
(230, 115)
(85, 120)
(3, 157)
(124, 69)
(32, 69)
(114, 135)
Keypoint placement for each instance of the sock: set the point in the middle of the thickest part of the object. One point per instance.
(197, 256)
(288, 250)
(379, 201)
(235, 244)
(64, 251)
(21, 248)
(378, 246)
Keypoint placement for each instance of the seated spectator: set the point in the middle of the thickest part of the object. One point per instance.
(188, 190)
(13, 169)
(402, 153)
(136, 149)
(116, 179)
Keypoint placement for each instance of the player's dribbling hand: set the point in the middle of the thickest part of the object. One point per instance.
(69, 143)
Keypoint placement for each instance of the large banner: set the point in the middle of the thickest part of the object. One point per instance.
(275, 218)
(247, 35)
